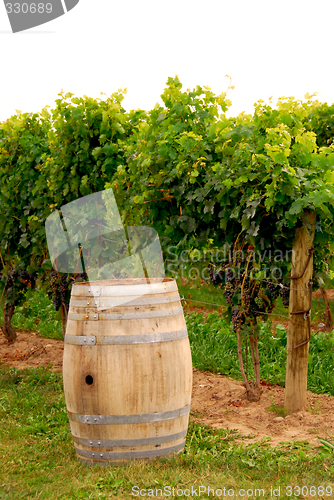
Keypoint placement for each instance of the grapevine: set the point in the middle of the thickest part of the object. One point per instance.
(248, 298)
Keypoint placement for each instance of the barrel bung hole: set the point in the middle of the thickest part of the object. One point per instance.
(89, 380)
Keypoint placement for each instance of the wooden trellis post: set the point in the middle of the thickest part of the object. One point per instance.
(300, 315)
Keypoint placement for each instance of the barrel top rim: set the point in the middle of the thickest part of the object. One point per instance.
(129, 281)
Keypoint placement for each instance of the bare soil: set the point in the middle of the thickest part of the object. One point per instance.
(221, 402)
(31, 351)
(329, 293)
(217, 401)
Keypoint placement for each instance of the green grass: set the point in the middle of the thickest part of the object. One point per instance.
(202, 296)
(38, 459)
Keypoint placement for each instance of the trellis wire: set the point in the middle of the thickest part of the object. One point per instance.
(225, 307)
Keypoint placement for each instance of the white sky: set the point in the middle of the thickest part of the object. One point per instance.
(267, 47)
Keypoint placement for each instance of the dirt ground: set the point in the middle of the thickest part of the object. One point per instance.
(30, 350)
(329, 293)
(217, 401)
(220, 402)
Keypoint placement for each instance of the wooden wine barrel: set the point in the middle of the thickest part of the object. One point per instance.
(127, 370)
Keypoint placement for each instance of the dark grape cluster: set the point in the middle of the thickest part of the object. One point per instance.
(16, 284)
(11, 277)
(60, 293)
(53, 282)
(63, 288)
(285, 294)
(229, 292)
(229, 274)
(224, 273)
(56, 303)
(236, 319)
(237, 283)
(246, 298)
(273, 290)
(215, 276)
(26, 278)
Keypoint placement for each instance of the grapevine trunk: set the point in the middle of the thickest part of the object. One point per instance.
(8, 330)
(252, 391)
